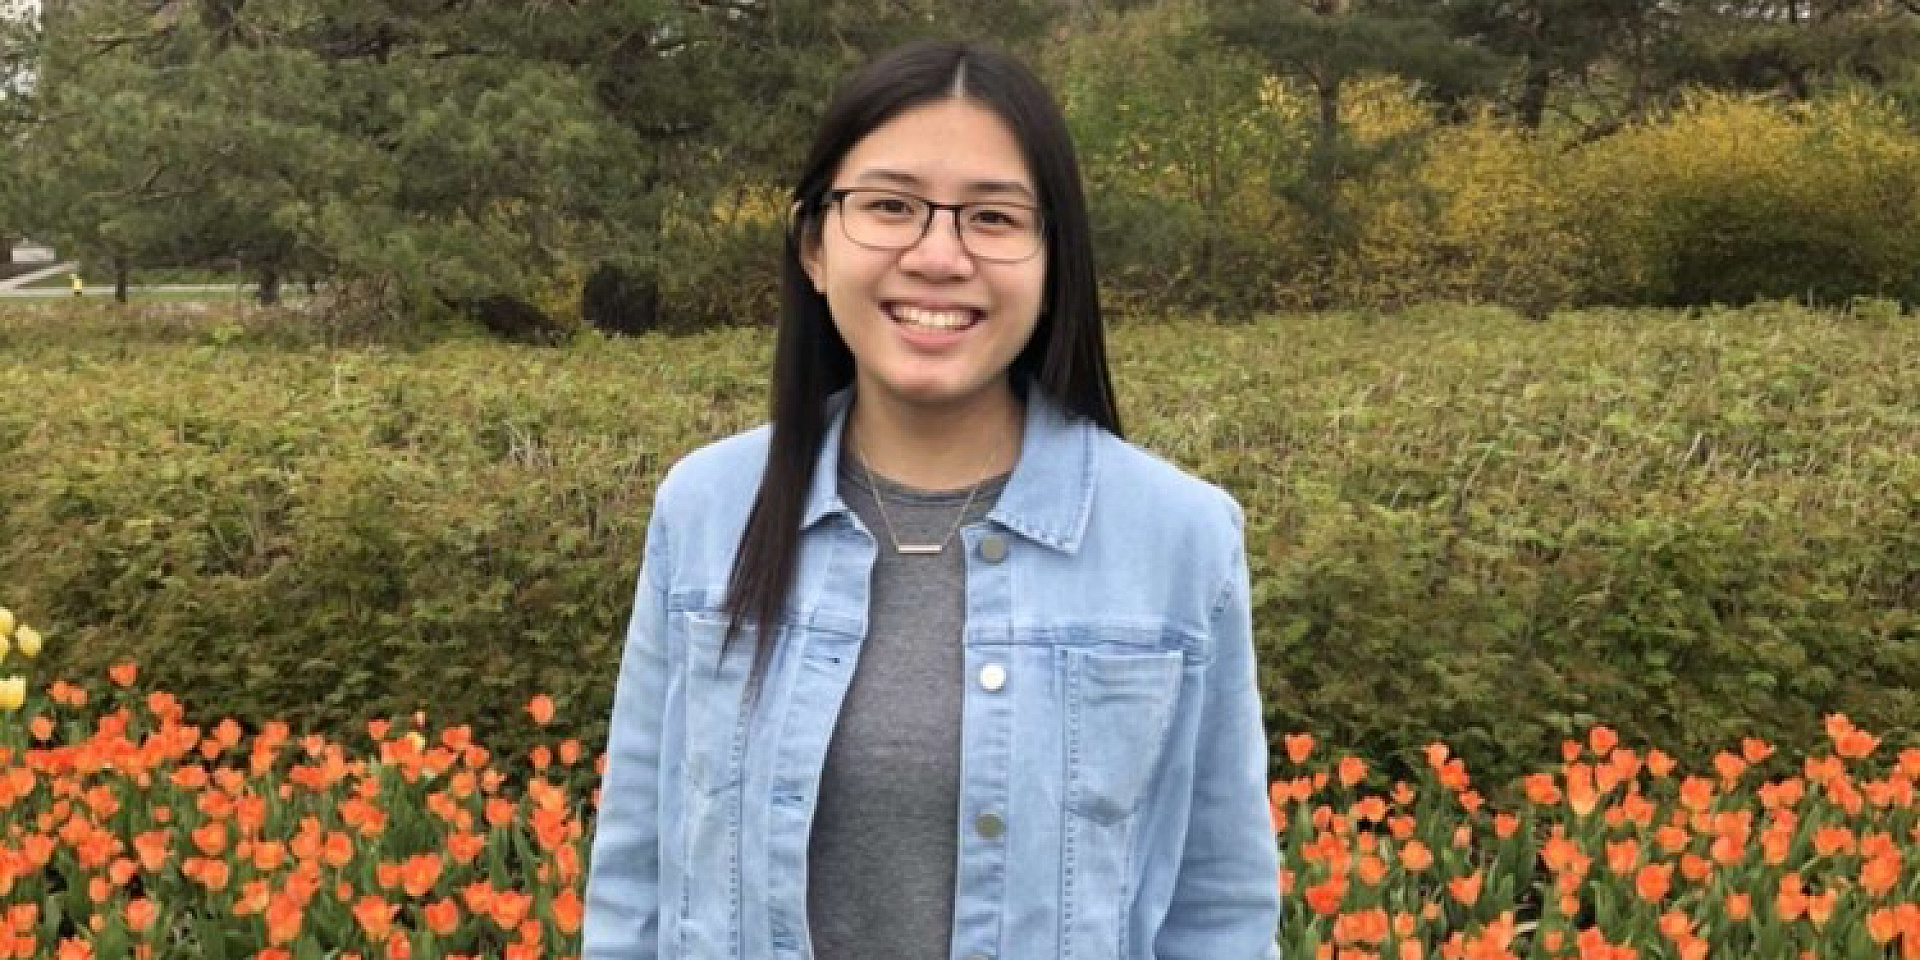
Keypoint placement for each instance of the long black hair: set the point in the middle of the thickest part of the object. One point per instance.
(1066, 357)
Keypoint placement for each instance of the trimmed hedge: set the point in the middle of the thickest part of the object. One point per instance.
(1463, 526)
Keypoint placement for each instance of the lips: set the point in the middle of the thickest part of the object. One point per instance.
(943, 318)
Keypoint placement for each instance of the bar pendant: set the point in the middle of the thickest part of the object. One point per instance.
(919, 548)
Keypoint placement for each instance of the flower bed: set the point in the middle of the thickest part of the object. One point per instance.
(132, 832)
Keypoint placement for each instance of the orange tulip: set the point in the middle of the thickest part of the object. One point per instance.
(1298, 746)
(210, 838)
(1466, 889)
(123, 674)
(509, 908)
(1623, 855)
(374, 915)
(1324, 898)
(1540, 789)
(567, 911)
(1659, 764)
(1351, 770)
(463, 847)
(1882, 925)
(1696, 793)
(442, 916)
(1730, 766)
(1653, 881)
(1582, 795)
(540, 708)
(283, 917)
(1820, 906)
(1791, 900)
(140, 914)
(1879, 874)
(1415, 857)
(1602, 740)
(1828, 841)
(419, 873)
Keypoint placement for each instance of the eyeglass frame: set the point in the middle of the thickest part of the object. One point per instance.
(838, 197)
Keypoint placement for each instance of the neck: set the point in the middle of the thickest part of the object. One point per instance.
(939, 448)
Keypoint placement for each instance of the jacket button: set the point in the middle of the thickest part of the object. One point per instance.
(989, 826)
(992, 677)
(993, 548)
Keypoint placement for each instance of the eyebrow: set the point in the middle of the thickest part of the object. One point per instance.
(976, 187)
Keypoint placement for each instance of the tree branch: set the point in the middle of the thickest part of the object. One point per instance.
(109, 42)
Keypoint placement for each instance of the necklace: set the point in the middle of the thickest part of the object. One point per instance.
(880, 502)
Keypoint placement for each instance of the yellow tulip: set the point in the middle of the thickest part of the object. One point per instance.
(13, 693)
(29, 640)
(6, 622)
(4, 644)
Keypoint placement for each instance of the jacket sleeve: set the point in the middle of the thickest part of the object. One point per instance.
(622, 920)
(1226, 899)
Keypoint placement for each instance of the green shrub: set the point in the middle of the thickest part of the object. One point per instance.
(1732, 199)
(1461, 526)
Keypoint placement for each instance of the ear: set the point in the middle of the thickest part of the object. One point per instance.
(809, 243)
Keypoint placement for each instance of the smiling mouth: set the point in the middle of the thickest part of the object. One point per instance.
(928, 319)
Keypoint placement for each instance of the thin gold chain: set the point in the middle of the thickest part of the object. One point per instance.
(880, 502)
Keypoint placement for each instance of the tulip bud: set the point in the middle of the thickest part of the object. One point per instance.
(13, 693)
(29, 640)
(6, 622)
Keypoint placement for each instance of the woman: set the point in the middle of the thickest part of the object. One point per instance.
(1007, 708)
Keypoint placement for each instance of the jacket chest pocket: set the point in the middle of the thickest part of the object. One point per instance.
(1119, 707)
(716, 687)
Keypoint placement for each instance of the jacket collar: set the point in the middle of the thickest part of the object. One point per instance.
(1048, 499)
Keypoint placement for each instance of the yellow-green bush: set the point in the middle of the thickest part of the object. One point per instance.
(1735, 198)
(1187, 149)
(1473, 215)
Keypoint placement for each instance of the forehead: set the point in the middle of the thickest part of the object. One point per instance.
(952, 145)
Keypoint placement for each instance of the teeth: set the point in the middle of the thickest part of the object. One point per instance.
(937, 319)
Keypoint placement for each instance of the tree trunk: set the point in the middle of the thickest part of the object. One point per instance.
(1323, 160)
(269, 292)
(1532, 105)
(122, 275)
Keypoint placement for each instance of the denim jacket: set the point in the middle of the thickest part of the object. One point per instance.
(1113, 797)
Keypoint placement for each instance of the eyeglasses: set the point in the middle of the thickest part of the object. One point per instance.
(990, 230)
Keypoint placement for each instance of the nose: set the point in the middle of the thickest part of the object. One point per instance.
(940, 252)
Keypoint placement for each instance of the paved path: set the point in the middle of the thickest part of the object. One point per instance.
(41, 274)
(106, 290)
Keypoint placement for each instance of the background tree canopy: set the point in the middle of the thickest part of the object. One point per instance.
(1244, 154)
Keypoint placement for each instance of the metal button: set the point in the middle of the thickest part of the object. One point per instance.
(993, 548)
(992, 677)
(989, 825)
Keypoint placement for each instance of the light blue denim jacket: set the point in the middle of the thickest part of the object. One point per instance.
(1113, 764)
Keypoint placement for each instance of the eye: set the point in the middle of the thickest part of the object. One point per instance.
(1002, 219)
(887, 205)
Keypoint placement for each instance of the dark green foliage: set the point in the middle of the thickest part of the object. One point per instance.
(618, 301)
(515, 320)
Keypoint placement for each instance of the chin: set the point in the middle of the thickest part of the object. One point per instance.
(941, 393)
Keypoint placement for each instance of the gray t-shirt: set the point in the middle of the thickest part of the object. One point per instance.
(880, 859)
